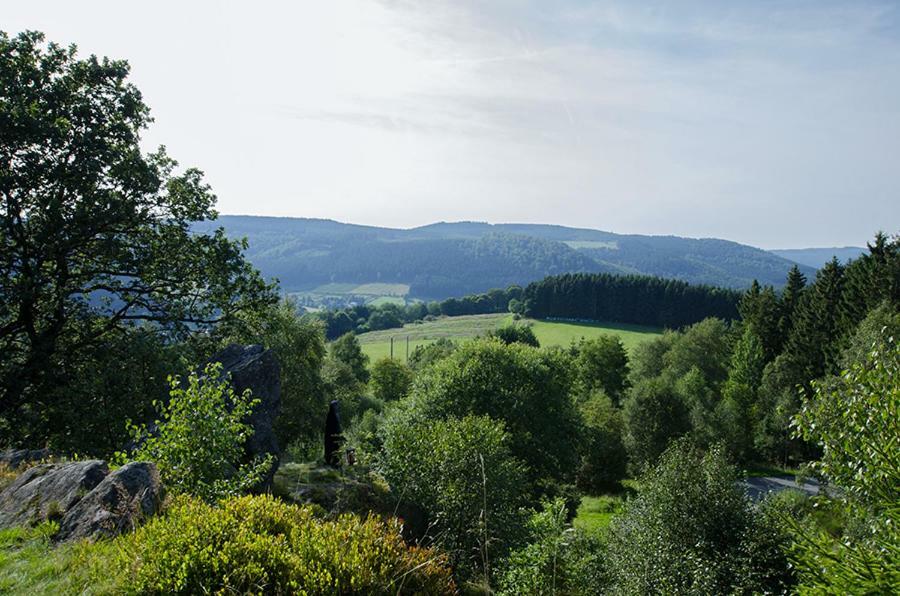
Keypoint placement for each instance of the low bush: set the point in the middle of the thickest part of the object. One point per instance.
(558, 559)
(462, 473)
(692, 530)
(259, 545)
(199, 441)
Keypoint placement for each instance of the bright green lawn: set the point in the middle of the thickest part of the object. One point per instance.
(550, 333)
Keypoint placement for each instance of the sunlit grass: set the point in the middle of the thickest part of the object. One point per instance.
(549, 333)
(595, 513)
(30, 563)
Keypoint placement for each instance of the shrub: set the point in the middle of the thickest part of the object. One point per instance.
(557, 560)
(390, 380)
(425, 355)
(854, 419)
(692, 530)
(199, 441)
(259, 545)
(510, 334)
(463, 475)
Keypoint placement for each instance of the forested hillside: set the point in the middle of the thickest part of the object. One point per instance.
(454, 259)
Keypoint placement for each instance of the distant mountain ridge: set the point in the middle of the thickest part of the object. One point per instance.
(453, 259)
(817, 257)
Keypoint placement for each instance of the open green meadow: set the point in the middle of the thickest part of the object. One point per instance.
(377, 344)
(562, 333)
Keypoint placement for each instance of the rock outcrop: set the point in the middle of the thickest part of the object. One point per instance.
(123, 500)
(48, 491)
(84, 497)
(255, 368)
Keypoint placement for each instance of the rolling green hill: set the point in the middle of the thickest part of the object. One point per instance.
(455, 259)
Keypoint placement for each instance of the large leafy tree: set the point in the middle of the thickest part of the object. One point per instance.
(96, 234)
(527, 389)
(854, 419)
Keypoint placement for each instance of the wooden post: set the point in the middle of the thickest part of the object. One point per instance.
(392, 347)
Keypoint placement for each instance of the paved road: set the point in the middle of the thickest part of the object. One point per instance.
(759, 487)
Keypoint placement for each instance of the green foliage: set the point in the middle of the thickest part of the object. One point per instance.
(854, 418)
(259, 545)
(602, 364)
(527, 389)
(346, 349)
(760, 312)
(199, 440)
(97, 234)
(705, 346)
(513, 333)
(691, 530)
(737, 411)
(653, 415)
(463, 474)
(117, 381)
(882, 321)
(632, 299)
(603, 459)
(595, 513)
(558, 559)
(299, 346)
(391, 380)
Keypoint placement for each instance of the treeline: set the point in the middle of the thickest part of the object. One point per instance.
(639, 300)
(634, 299)
(361, 318)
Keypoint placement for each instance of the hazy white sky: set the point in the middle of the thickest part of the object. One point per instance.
(767, 122)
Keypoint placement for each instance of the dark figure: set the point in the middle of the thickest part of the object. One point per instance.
(334, 437)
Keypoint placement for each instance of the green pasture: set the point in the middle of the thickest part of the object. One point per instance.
(377, 344)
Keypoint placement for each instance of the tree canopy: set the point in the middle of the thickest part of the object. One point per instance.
(96, 233)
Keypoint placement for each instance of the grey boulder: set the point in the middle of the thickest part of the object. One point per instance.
(255, 368)
(124, 499)
(48, 491)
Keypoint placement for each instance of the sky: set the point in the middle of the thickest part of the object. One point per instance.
(775, 124)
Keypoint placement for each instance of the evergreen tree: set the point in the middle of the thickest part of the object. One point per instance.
(813, 343)
(759, 310)
(790, 297)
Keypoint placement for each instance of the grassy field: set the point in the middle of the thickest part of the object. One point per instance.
(377, 344)
(595, 513)
(374, 294)
(550, 333)
(560, 333)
